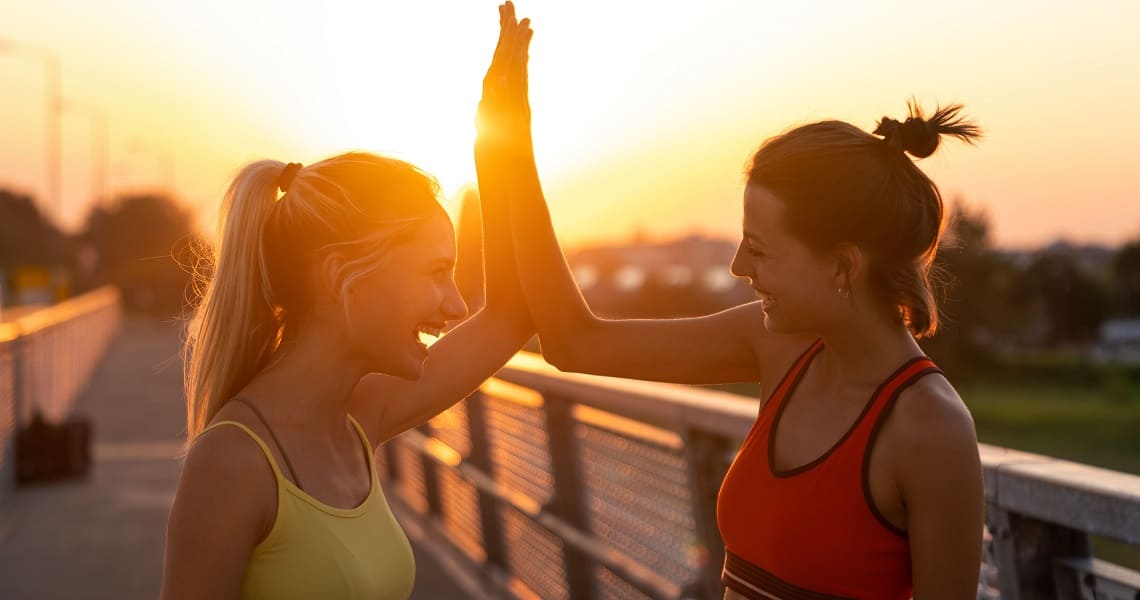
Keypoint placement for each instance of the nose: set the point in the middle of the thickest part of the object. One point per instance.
(739, 263)
(453, 307)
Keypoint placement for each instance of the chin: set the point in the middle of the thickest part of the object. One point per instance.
(412, 368)
(781, 326)
(409, 369)
(408, 366)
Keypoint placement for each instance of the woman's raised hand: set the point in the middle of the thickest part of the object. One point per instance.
(503, 120)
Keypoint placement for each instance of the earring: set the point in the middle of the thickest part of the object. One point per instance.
(843, 292)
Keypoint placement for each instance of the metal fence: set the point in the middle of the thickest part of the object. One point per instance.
(46, 357)
(556, 485)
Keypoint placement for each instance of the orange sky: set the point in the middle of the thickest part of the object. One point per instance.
(643, 119)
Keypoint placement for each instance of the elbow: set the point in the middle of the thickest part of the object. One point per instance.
(564, 337)
(566, 349)
(561, 356)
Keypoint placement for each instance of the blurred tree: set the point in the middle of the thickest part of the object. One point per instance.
(26, 237)
(1126, 275)
(975, 285)
(1074, 302)
(142, 244)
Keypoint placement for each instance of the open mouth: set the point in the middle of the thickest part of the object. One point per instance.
(427, 334)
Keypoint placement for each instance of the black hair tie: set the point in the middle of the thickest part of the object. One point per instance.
(287, 175)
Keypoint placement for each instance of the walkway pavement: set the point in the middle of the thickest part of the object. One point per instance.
(103, 537)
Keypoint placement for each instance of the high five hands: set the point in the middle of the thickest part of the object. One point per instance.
(503, 118)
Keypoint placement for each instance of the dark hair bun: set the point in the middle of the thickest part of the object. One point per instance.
(919, 136)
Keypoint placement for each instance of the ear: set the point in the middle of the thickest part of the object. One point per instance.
(330, 276)
(850, 263)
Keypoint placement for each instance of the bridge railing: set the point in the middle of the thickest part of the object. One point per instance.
(46, 357)
(557, 485)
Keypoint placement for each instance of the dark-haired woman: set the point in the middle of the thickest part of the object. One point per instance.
(860, 477)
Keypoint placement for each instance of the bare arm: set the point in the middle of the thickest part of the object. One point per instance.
(465, 357)
(717, 348)
(941, 483)
(223, 508)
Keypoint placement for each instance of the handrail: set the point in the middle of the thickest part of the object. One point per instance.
(67, 310)
(661, 404)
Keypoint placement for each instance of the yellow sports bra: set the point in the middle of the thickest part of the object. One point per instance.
(318, 551)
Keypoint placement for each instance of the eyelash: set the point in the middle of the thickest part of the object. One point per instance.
(755, 252)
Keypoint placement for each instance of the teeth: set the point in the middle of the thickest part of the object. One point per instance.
(427, 334)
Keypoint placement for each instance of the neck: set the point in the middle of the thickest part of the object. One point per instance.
(309, 384)
(866, 350)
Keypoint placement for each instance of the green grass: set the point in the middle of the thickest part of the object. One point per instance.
(1095, 425)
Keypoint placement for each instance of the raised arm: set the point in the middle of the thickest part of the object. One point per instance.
(716, 348)
(466, 356)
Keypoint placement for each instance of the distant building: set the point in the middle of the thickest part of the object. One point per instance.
(681, 277)
(1092, 258)
(1119, 342)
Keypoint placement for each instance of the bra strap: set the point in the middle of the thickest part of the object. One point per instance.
(272, 435)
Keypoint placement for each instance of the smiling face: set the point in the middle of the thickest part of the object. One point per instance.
(797, 287)
(412, 291)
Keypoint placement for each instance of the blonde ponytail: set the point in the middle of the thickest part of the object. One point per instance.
(235, 327)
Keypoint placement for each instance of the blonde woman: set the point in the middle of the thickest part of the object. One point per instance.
(305, 354)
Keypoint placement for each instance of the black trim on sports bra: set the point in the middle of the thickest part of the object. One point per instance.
(865, 475)
(785, 473)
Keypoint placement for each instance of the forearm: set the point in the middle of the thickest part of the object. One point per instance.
(559, 311)
(502, 288)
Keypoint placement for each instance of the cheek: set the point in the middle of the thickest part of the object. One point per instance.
(799, 286)
(375, 307)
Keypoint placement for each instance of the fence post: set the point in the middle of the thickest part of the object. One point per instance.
(1025, 550)
(706, 464)
(431, 476)
(569, 501)
(480, 458)
(19, 381)
(391, 463)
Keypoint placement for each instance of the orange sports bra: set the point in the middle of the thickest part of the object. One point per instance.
(813, 532)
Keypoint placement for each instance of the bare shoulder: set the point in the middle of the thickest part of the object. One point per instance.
(227, 478)
(930, 426)
(224, 452)
(932, 408)
(224, 507)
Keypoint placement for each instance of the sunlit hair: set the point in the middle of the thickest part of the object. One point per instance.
(840, 184)
(254, 285)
